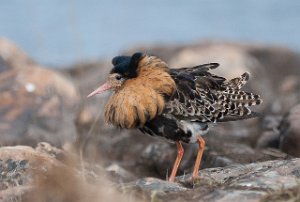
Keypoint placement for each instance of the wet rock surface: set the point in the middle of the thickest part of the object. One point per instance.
(250, 160)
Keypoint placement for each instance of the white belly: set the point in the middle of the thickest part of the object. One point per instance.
(196, 129)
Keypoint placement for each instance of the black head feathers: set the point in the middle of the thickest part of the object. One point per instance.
(126, 65)
(120, 59)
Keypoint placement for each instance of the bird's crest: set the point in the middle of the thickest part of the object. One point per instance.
(126, 65)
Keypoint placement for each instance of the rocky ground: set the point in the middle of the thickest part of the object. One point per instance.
(55, 145)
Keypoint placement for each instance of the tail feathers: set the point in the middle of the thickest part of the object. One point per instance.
(234, 118)
(232, 102)
(230, 107)
(237, 83)
(229, 115)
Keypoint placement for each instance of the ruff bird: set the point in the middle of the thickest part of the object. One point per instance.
(176, 104)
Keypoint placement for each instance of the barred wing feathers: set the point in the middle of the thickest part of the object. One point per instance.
(205, 97)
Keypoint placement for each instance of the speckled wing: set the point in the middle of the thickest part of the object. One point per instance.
(205, 97)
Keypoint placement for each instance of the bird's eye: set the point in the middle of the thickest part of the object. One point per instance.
(118, 77)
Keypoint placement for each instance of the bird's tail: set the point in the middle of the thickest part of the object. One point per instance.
(234, 102)
(237, 83)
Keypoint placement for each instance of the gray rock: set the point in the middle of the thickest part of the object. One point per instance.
(35, 175)
(251, 182)
(160, 186)
(120, 173)
(289, 130)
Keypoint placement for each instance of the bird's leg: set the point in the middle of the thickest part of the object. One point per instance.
(180, 153)
(201, 143)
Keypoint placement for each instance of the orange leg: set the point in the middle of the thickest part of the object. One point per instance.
(180, 153)
(201, 143)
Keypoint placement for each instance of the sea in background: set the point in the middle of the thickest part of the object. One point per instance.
(59, 33)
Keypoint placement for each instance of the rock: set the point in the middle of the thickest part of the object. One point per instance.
(29, 174)
(235, 195)
(251, 182)
(159, 157)
(289, 93)
(15, 163)
(234, 58)
(289, 130)
(283, 195)
(44, 147)
(270, 134)
(268, 139)
(120, 173)
(36, 103)
(161, 186)
(12, 55)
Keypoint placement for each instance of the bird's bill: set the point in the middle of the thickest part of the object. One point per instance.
(101, 89)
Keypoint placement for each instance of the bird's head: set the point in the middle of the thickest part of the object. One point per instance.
(125, 67)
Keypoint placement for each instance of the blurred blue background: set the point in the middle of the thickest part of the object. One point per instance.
(59, 33)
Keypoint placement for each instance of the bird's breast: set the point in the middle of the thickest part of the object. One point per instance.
(139, 100)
